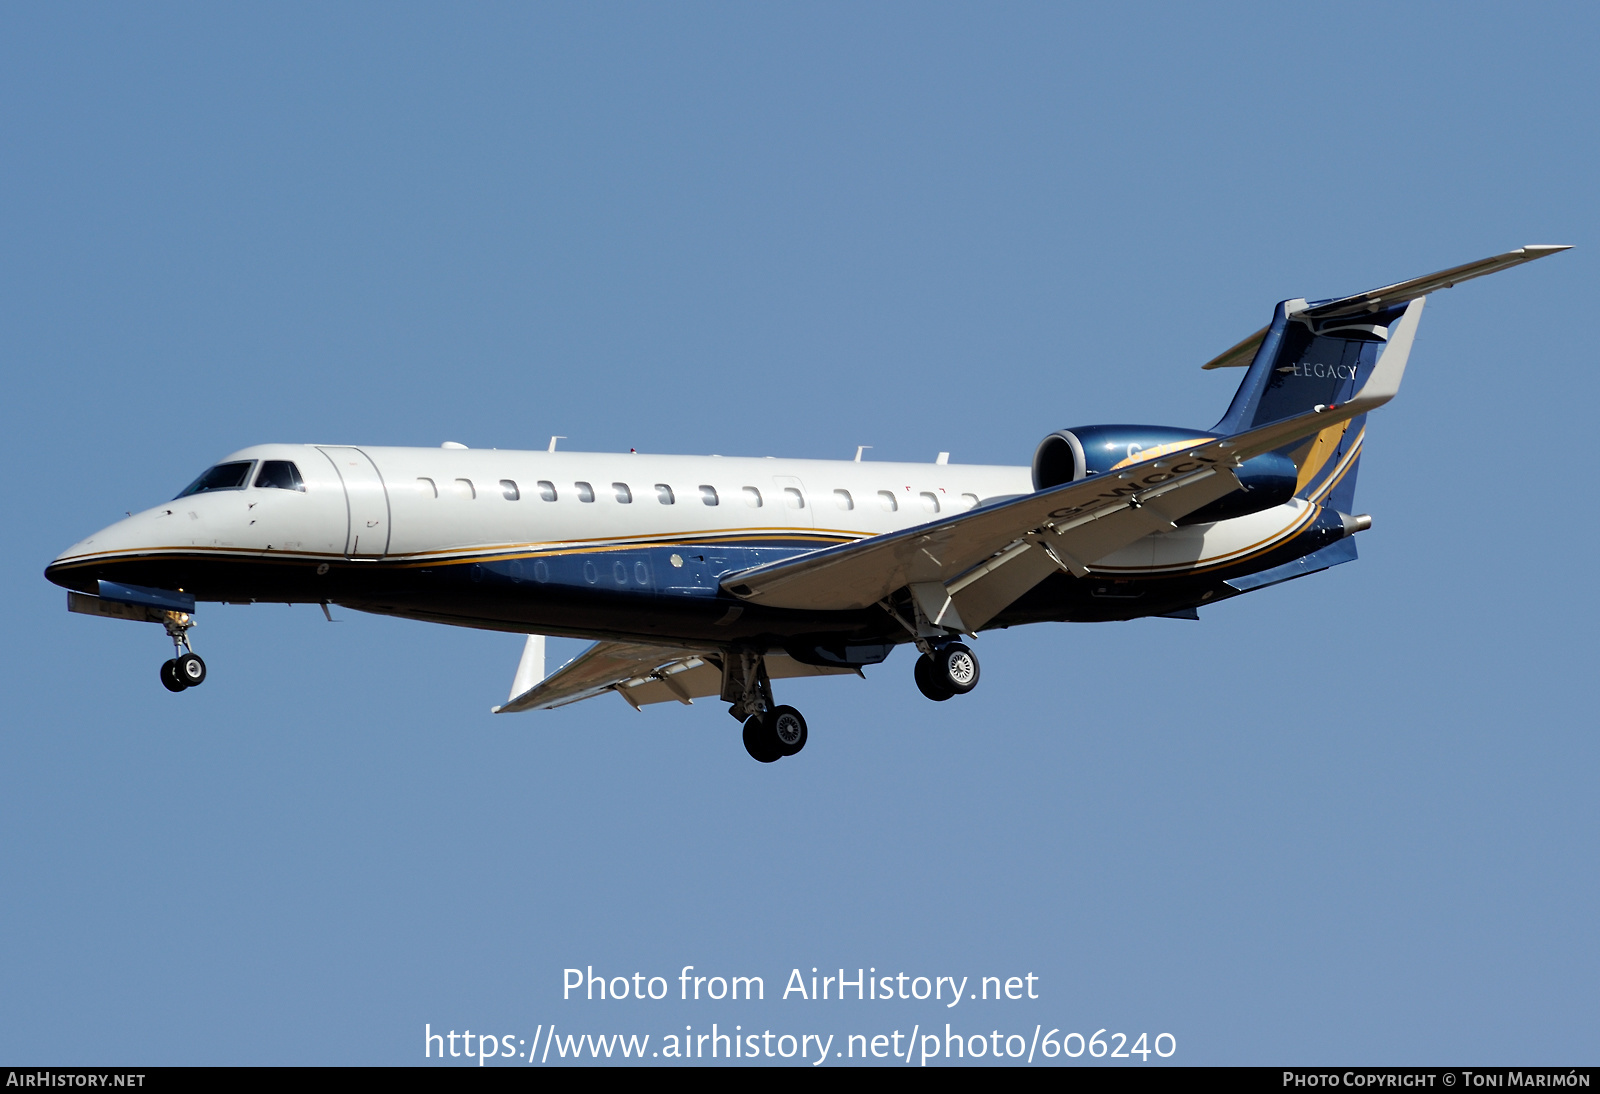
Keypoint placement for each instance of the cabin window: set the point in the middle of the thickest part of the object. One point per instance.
(585, 491)
(280, 475)
(664, 494)
(930, 502)
(427, 489)
(793, 498)
(752, 497)
(224, 476)
(465, 489)
(886, 500)
(619, 572)
(969, 500)
(509, 491)
(624, 495)
(547, 490)
(843, 500)
(708, 494)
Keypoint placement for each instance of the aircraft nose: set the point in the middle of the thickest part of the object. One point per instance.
(71, 569)
(115, 552)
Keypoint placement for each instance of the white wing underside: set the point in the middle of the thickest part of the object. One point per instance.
(643, 674)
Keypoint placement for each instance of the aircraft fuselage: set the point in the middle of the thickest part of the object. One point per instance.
(601, 545)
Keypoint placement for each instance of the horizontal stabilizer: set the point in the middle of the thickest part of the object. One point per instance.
(1243, 352)
(1401, 292)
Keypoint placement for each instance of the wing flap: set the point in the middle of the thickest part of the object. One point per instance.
(982, 596)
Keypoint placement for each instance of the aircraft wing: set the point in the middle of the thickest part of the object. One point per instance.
(642, 674)
(964, 570)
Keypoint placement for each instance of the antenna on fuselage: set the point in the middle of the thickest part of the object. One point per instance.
(860, 448)
(553, 441)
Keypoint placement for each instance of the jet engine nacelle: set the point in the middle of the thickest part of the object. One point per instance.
(1068, 455)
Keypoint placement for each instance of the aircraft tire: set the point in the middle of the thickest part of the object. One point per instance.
(760, 741)
(190, 669)
(956, 668)
(788, 729)
(927, 680)
(169, 676)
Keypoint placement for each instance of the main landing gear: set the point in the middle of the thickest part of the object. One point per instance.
(775, 734)
(771, 732)
(947, 670)
(185, 670)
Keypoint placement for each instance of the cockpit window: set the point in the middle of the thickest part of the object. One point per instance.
(280, 474)
(224, 476)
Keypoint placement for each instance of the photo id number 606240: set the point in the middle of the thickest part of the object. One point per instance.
(1113, 1045)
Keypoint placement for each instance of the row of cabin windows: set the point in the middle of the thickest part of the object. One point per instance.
(284, 475)
(790, 496)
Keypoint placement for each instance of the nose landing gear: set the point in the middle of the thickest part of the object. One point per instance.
(185, 669)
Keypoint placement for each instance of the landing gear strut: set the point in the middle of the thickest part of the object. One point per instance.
(944, 671)
(185, 670)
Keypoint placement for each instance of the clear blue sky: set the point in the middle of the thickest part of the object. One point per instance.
(1348, 819)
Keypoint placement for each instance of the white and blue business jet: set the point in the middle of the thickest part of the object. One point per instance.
(703, 575)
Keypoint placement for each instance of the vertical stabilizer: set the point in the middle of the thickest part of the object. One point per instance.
(1304, 363)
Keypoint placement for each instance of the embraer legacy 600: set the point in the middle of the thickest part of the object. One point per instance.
(700, 576)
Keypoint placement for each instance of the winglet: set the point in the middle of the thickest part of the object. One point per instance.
(530, 670)
(1384, 383)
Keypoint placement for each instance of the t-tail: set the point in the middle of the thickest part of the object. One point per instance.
(1326, 354)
